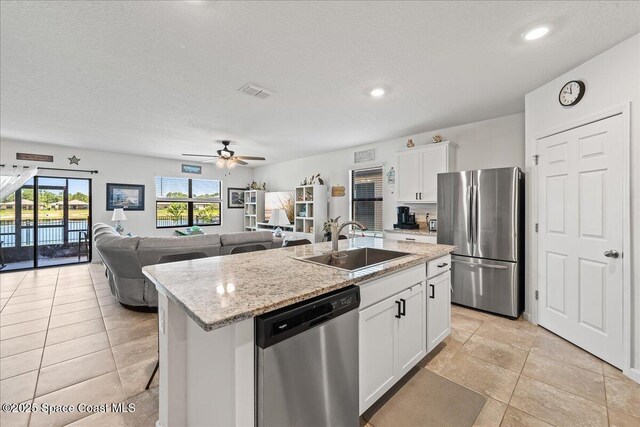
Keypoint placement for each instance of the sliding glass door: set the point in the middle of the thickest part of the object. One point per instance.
(47, 222)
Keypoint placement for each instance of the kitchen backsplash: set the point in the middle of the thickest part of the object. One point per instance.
(421, 212)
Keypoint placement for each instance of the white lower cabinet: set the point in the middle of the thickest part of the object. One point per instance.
(411, 328)
(409, 237)
(392, 340)
(438, 309)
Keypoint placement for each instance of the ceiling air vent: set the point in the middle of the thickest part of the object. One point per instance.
(253, 90)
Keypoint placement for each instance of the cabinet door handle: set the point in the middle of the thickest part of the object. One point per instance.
(416, 196)
(433, 292)
(399, 315)
(420, 196)
(404, 307)
(409, 238)
(444, 264)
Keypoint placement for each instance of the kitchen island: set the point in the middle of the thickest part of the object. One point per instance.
(206, 319)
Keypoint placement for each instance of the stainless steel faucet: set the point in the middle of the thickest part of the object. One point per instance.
(336, 229)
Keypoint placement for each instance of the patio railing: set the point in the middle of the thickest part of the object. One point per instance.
(50, 231)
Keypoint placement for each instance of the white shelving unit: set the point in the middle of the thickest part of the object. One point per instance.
(253, 209)
(310, 212)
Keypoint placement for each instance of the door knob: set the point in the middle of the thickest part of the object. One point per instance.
(612, 253)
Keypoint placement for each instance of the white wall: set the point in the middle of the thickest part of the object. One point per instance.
(487, 144)
(129, 169)
(612, 79)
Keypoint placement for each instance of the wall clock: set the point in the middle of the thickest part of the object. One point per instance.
(571, 93)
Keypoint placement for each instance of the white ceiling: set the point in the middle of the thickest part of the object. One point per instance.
(161, 78)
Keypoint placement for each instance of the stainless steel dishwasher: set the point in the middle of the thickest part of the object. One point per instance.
(307, 363)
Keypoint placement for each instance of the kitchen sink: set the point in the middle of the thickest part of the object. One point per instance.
(355, 259)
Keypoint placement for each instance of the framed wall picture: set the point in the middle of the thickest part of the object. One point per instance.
(235, 198)
(127, 196)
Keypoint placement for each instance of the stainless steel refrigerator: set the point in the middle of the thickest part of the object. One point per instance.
(482, 213)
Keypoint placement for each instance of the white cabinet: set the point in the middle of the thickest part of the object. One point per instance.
(310, 212)
(410, 237)
(253, 209)
(377, 348)
(411, 328)
(418, 170)
(435, 160)
(409, 186)
(438, 309)
(392, 340)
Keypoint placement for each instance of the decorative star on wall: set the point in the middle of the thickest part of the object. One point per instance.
(74, 160)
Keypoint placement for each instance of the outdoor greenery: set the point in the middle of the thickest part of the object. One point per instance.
(48, 213)
(46, 197)
(176, 195)
(46, 201)
(177, 211)
(208, 214)
(181, 195)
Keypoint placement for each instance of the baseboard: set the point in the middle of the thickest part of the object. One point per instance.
(634, 374)
(527, 316)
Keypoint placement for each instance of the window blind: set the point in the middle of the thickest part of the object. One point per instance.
(366, 197)
(187, 190)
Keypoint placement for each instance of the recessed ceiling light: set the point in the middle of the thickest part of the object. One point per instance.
(536, 33)
(377, 92)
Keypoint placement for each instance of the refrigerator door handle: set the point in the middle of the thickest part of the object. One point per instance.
(470, 222)
(475, 215)
(473, 264)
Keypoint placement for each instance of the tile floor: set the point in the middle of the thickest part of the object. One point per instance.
(532, 377)
(64, 339)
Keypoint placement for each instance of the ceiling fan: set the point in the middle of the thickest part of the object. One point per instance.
(225, 157)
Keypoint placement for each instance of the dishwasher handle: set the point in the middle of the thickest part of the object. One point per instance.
(279, 325)
(320, 320)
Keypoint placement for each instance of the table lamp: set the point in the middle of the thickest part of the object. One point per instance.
(278, 217)
(118, 215)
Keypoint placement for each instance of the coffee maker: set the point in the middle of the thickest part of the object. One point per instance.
(406, 220)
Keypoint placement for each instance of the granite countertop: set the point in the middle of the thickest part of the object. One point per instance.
(219, 291)
(421, 231)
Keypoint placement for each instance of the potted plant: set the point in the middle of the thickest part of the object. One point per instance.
(327, 227)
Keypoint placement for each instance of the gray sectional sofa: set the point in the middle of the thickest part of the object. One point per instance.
(124, 257)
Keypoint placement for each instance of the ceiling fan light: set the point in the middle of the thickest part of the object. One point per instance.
(220, 163)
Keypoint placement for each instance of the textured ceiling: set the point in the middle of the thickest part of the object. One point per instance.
(161, 78)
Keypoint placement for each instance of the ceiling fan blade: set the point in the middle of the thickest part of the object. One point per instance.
(211, 160)
(250, 158)
(199, 155)
(238, 161)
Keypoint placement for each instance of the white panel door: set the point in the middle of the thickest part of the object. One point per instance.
(412, 334)
(434, 161)
(409, 177)
(438, 309)
(378, 349)
(580, 205)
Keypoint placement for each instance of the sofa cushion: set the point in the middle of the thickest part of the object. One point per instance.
(151, 249)
(244, 238)
(119, 254)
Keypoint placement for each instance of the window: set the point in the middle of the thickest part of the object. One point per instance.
(184, 202)
(366, 198)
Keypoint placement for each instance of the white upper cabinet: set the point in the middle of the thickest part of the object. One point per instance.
(418, 170)
(409, 183)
